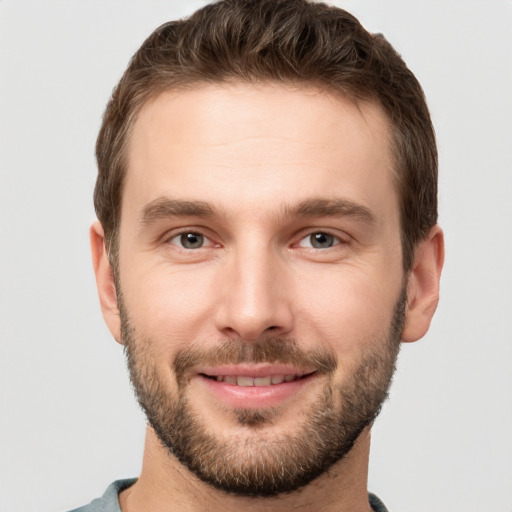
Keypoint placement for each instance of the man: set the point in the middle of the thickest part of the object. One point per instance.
(267, 237)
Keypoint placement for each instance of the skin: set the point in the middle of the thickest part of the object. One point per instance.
(253, 153)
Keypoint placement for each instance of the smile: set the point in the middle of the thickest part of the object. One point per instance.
(244, 380)
(255, 385)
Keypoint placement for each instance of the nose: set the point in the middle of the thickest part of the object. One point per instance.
(256, 297)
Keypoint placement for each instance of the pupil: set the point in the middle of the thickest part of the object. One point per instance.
(191, 240)
(322, 240)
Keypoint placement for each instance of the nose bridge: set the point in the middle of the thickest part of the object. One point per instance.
(254, 301)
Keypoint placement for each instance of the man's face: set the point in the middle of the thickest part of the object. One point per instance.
(260, 278)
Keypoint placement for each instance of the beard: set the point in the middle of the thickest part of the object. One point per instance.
(255, 464)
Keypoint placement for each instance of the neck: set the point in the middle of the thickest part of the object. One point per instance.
(164, 481)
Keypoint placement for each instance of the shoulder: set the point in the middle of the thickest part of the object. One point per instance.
(109, 502)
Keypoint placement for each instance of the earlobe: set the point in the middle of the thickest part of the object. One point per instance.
(423, 285)
(105, 281)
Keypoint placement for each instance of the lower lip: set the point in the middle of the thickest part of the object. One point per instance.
(255, 397)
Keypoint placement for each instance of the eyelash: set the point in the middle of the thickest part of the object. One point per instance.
(320, 238)
(180, 236)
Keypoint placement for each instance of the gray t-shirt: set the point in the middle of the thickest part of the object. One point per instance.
(109, 502)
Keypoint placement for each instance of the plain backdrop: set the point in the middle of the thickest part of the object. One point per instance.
(68, 422)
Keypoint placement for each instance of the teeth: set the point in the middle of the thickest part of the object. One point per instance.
(263, 381)
(242, 380)
(277, 379)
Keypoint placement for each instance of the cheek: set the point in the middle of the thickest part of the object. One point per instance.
(350, 309)
(167, 302)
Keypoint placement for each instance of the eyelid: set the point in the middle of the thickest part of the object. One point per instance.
(340, 239)
(175, 234)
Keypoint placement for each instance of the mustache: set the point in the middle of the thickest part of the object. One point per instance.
(269, 350)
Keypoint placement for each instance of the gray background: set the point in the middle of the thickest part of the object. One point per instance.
(68, 422)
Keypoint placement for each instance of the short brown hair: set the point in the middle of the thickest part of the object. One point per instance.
(285, 41)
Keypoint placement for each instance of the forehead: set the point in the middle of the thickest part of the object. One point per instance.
(239, 145)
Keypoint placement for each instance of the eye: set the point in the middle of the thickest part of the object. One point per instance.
(319, 240)
(190, 240)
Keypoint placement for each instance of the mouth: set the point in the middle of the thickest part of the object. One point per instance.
(262, 381)
(255, 386)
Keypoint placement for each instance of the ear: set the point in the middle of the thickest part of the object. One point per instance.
(423, 285)
(105, 281)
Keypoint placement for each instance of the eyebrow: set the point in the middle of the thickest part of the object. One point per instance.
(164, 207)
(330, 208)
